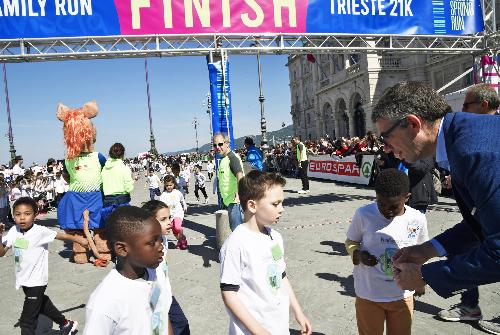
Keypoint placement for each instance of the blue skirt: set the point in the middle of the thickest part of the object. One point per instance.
(71, 207)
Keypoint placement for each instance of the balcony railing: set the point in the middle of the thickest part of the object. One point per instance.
(390, 62)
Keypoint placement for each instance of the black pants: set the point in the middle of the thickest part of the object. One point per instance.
(180, 324)
(303, 175)
(36, 303)
(202, 189)
(210, 175)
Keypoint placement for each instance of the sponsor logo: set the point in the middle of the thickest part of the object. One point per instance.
(366, 170)
(332, 167)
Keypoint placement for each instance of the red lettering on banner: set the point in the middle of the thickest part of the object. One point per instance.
(332, 167)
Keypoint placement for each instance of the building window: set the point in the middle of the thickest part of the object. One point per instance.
(342, 119)
(359, 120)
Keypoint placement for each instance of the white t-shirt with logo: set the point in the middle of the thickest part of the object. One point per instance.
(122, 306)
(175, 202)
(255, 262)
(31, 254)
(153, 181)
(382, 238)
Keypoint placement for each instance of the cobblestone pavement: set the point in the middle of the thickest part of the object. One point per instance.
(313, 227)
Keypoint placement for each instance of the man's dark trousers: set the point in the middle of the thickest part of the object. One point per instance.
(303, 175)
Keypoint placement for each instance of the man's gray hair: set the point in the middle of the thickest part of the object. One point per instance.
(226, 136)
(484, 92)
(410, 97)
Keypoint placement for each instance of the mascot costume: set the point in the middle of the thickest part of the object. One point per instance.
(79, 211)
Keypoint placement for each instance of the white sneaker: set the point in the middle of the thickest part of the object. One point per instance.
(303, 192)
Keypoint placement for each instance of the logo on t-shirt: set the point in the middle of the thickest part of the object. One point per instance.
(412, 228)
(386, 261)
(273, 277)
(20, 244)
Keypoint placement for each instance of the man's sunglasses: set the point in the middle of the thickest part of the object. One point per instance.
(219, 144)
(385, 134)
(466, 104)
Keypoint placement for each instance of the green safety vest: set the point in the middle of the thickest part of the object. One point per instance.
(301, 156)
(227, 181)
(84, 172)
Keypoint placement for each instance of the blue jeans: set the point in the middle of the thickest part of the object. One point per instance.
(470, 298)
(154, 192)
(235, 215)
(180, 324)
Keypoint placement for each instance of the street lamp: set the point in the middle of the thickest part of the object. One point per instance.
(153, 150)
(10, 134)
(195, 124)
(209, 113)
(263, 124)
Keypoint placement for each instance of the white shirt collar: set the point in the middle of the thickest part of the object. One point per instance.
(441, 155)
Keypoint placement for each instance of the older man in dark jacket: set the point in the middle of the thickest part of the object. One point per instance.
(422, 189)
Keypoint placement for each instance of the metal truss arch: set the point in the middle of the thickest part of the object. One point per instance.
(32, 50)
(71, 48)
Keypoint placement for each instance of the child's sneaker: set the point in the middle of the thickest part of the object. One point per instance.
(69, 327)
(182, 244)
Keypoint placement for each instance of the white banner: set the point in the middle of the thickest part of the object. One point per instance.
(341, 169)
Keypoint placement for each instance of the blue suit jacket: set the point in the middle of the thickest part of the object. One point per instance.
(473, 246)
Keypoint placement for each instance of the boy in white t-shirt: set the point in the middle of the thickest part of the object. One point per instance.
(30, 245)
(177, 318)
(377, 231)
(135, 297)
(253, 282)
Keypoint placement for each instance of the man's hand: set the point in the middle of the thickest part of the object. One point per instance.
(2, 228)
(408, 276)
(304, 323)
(418, 254)
(420, 291)
(364, 257)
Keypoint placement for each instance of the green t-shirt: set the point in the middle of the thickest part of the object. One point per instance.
(84, 172)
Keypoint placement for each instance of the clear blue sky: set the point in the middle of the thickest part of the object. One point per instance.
(178, 87)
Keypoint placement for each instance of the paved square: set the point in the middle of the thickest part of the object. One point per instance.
(313, 227)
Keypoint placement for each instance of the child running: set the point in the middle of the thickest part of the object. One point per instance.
(174, 199)
(161, 212)
(153, 184)
(30, 245)
(377, 231)
(199, 184)
(134, 298)
(253, 281)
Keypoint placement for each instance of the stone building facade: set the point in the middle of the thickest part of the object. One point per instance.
(333, 94)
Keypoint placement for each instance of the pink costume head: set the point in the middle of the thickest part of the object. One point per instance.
(79, 132)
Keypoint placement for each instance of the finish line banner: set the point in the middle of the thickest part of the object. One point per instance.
(341, 169)
(92, 18)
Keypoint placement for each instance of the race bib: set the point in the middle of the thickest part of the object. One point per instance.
(277, 252)
(21, 243)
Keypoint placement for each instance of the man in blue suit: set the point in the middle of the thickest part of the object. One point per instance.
(415, 123)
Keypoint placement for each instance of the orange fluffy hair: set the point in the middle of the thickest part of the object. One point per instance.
(79, 132)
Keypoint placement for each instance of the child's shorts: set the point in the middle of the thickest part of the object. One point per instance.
(176, 225)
